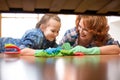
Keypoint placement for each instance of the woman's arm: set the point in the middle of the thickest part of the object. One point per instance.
(110, 49)
(104, 50)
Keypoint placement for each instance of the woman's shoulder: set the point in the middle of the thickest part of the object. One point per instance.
(112, 41)
(71, 31)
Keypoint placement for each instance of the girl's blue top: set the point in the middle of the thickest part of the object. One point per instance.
(33, 38)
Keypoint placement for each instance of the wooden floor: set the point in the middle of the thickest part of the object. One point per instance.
(95, 67)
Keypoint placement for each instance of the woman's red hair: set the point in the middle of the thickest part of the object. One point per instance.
(98, 26)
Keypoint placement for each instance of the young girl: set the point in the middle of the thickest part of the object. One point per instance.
(42, 37)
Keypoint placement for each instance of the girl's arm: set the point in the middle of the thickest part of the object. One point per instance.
(27, 52)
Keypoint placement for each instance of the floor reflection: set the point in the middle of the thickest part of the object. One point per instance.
(60, 68)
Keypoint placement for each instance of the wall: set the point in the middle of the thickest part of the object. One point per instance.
(115, 30)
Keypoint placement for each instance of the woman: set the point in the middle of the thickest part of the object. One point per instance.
(92, 31)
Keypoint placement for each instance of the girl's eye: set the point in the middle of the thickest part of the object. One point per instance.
(57, 31)
(52, 30)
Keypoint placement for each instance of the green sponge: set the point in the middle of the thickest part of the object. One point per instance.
(66, 52)
(66, 46)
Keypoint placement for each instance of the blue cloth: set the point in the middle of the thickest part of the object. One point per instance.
(71, 36)
(33, 38)
(53, 50)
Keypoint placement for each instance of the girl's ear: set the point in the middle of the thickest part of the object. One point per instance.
(42, 27)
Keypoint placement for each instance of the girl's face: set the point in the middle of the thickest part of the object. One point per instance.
(85, 35)
(51, 29)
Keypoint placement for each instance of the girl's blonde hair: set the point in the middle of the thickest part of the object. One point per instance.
(46, 18)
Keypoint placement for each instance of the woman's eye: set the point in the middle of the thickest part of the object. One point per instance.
(85, 29)
(79, 26)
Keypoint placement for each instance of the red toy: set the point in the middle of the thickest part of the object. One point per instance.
(11, 46)
(78, 54)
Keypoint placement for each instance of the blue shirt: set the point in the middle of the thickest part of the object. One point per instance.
(71, 36)
(33, 38)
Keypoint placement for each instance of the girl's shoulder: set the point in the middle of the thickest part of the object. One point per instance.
(33, 31)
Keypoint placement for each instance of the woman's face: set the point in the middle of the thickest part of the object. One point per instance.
(84, 33)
